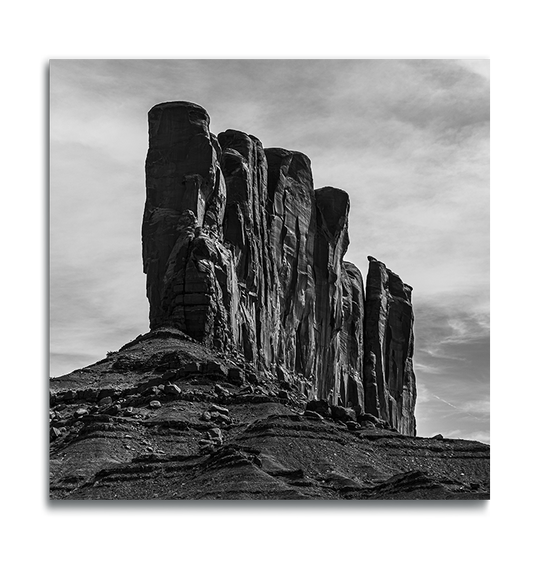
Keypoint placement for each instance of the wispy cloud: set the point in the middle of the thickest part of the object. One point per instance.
(452, 399)
(425, 368)
(479, 436)
(465, 330)
(452, 340)
(479, 407)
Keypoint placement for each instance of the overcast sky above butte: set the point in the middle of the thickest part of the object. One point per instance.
(408, 140)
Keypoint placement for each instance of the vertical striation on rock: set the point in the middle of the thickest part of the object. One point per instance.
(331, 243)
(245, 170)
(190, 274)
(240, 251)
(351, 338)
(292, 227)
(390, 389)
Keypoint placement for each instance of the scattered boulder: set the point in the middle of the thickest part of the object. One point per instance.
(221, 391)
(215, 433)
(283, 394)
(151, 391)
(213, 367)
(106, 401)
(248, 389)
(219, 409)
(342, 414)
(54, 433)
(366, 417)
(220, 417)
(252, 378)
(320, 406)
(172, 390)
(370, 421)
(236, 376)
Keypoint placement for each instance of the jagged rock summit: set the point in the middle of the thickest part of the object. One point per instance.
(241, 252)
(268, 371)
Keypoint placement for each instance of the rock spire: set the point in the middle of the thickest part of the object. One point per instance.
(241, 252)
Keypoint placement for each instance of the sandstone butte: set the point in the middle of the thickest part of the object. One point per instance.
(240, 251)
(269, 371)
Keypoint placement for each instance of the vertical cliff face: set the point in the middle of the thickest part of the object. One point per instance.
(331, 243)
(190, 274)
(291, 215)
(244, 168)
(389, 345)
(241, 252)
(350, 338)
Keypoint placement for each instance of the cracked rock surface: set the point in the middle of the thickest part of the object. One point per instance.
(242, 253)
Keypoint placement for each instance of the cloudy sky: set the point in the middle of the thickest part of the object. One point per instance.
(408, 140)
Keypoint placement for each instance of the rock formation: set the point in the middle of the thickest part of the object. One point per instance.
(268, 372)
(389, 345)
(242, 253)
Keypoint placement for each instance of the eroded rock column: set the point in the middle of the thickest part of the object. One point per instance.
(241, 252)
(245, 229)
(191, 282)
(291, 226)
(390, 390)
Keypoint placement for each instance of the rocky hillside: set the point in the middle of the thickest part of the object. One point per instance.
(241, 252)
(169, 418)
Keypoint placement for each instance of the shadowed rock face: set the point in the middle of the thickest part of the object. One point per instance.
(242, 253)
(189, 272)
(389, 344)
(292, 226)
